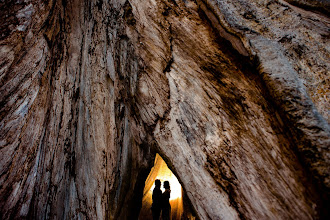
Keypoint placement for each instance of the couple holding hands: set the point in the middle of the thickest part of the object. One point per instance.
(161, 201)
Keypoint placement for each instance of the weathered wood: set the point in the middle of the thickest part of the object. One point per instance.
(233, 94)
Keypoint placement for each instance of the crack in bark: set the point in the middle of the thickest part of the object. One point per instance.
(171, 60)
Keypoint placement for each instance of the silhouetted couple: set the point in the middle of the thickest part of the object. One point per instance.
(161, 201)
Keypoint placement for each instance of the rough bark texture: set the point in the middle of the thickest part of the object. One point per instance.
(233, 94)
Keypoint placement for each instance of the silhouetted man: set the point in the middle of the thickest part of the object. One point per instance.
(156, 200)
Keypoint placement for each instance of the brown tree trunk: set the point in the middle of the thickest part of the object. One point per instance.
(233, 94)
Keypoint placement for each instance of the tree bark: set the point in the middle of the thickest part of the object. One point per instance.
(233, 94)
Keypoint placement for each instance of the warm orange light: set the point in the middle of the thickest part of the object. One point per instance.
(175, 186)
(162, 172)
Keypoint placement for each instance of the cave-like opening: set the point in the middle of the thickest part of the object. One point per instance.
(180, 207)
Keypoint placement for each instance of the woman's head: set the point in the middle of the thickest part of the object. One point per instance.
(166, 184)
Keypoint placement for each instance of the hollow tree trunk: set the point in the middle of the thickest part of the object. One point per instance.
(233, 94)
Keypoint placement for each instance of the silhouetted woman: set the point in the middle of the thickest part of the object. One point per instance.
(156, 201)
(166, 209)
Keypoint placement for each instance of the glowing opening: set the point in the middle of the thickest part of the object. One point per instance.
(166, 174)
(162, 172)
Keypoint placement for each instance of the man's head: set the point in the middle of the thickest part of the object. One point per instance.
(157, 183)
